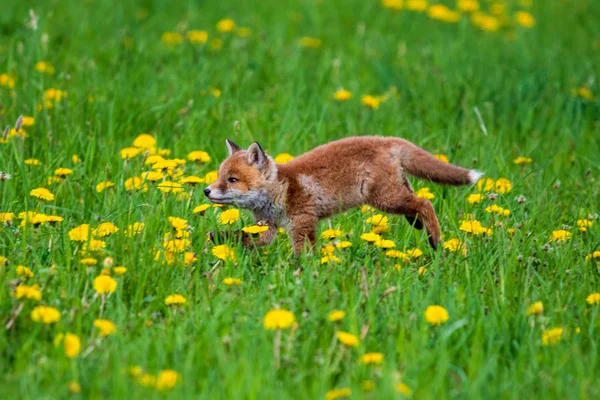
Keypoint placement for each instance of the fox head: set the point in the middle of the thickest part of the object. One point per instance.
(244, 177)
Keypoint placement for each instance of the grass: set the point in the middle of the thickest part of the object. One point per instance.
(122, 81)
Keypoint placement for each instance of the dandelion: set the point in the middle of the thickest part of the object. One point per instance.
(486, 184)
(560, 235)
(392, 4)
(425, 193)
(593, 298)
(102, 186)
(147, 380)
(385, 244)
(166, 379)
(88, 261)
(119, 270)
(130, 152)
(343, 244)
(584, 93)
(175, 299)
(105, 284)
(421, 271)
(229, 217)
(309, 42)
(80, 233)
(348, 339)
(24, 272)
(171, 39)
(44, 67)
(232, 281)
(105, 327)
(522, 160)
(178, 223)
(30, 292)
(45, 314)
(551, 336)
(32, 161)
(536, 308)
(467, 5)
(6, 216)
(396, 254)
(211, 177)
(254, 229)
(7, 81)
(63, 172)
(134, 229)
(475, 198)
(199, 156)
(583, 224)
(75, 159)
(170, 187)
(197, 37)
(473, 226)
(105, 229)
(328, 258)
(226, 25)
(372, 102)
(42, 193)
(414, 253)
(495, 209)
(338, 393)
(152, 176)
(525, 19)
(200, 209)
(377, 219)
(454, 245)
(336, 315)
(74, 387)
(442, 13)
(436, 315)
(72, 345)
(283, 158)
(223, 252)
(404, 389)
(370, 237)
(503, 185)
(372, 358)
(278, 319)
(136, 183)
(342, 95)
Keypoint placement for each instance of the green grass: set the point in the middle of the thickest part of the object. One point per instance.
(122, 81)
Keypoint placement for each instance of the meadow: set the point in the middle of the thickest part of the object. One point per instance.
(116, 115)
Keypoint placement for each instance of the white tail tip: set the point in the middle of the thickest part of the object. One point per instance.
(474, 176)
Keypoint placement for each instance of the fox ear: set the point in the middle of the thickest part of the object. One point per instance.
(256, 155)
(232, 147)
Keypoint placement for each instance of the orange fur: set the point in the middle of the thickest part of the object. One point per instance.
(330, 179)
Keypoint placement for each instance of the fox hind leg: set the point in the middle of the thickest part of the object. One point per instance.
(304, 229)
(399, 199)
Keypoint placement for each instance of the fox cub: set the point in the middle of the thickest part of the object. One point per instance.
(330, 179)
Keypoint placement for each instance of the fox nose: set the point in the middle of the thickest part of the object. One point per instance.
(207, 191)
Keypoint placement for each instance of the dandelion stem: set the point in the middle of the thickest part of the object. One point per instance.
(277, 349)
(102, 305)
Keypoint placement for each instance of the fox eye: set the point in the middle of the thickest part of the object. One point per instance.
(232, 180)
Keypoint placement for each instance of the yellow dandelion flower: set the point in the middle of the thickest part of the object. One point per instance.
(147, 380)
(105, 327)
(28, 120)
(32, 161)
(404, 389)
(6, 216)
(414, 253)
(342, 95)
(229, 217)
(167, 379)
(197, 37)
(254, 229)
(473, 226)
(30, 292)
(442, 13)
(372, 358)
(74, 387)
(63, 172)
(171, 39)
(560, 235)
(392, 4)
(329, 234)
(45, 314)
(485, 22)
(371, 101)
(584, 93)
(522, 160)
(223, 252)
(134, 229)
(119, 270)
(551, 336)
(200, 209)
(211, 177)
(327, 258)
(425, 193)
(24, 272)
(475, 198)
(396, 254)
(583, 224)
(454, 245)
(72, 345)
(278, 319)
(593, 298)
(136, 183)
(336, 315)
(503, 185)
(178, 223)
(525, 19)
(170, 187)
(105, 229)
(486, 184)
(436, 315)
(370, 237)
(199, 156)
(7, 81)
(130, 152)
(343, 244)
(232, 281)
(100, 187)
(338, 393)
(536, 308)
(226, 25)
(385, 244)
(44, 67)
(175, 299)
(347, 339)
(105, 284)
(283, 158)
(495, 209)
(467, 5)
(42, 193)
(377, 219)
(88, 261)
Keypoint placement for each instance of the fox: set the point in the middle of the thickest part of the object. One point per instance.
(331, 179)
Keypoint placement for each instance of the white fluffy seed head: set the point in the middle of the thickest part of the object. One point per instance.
(474, 176)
